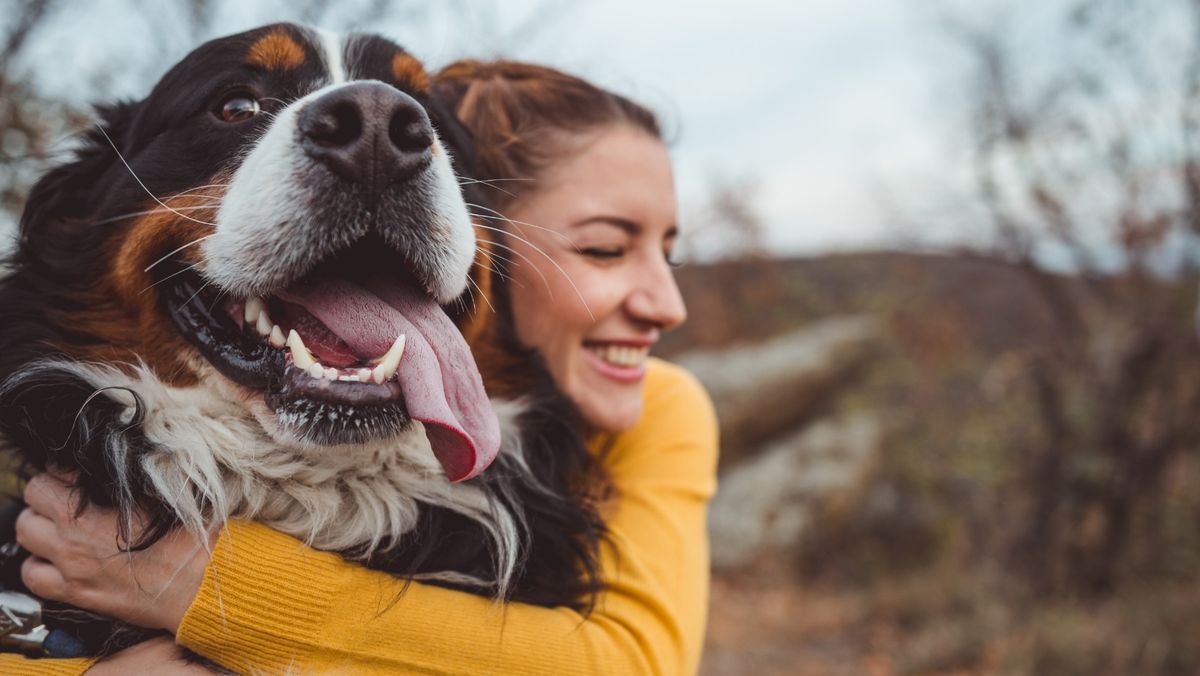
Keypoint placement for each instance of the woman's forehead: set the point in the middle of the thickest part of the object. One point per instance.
(622, 172)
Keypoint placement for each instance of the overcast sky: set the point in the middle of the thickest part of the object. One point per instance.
(831, 106)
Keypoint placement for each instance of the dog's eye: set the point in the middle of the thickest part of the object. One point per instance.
(238, 108)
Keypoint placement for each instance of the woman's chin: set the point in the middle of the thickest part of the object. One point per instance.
(607, 406)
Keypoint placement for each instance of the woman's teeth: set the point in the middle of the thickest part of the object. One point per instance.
(383, 369)
(621, 355)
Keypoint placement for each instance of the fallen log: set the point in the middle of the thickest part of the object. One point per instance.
(769, 389)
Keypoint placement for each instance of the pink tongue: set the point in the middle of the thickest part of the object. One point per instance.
(441, 384)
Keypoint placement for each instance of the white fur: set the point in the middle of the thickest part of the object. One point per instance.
(266, 226)
(331, 47)
(212, 461)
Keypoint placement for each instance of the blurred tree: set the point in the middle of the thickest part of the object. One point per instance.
(727, 228)
(1084, 123)
(24, 133)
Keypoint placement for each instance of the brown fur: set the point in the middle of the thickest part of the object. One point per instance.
(124, 311)
(276, 51)
(409, 72)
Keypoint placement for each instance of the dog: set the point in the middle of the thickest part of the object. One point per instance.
(247, 298)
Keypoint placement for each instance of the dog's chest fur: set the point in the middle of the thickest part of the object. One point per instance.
(209, 460)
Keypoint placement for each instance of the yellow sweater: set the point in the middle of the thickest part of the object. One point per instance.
(270, 605)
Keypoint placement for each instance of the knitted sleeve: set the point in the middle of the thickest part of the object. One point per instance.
(268, 604)
(19, 665)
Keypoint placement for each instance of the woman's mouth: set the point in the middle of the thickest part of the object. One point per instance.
(621, 362)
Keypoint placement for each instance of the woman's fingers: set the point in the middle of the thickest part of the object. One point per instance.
(49, 496)
(37, 534)
(43, 579)
(78, 559)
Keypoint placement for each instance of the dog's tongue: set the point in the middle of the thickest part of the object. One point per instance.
(441, 384)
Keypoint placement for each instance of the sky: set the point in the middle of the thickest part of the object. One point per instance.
(829, 108)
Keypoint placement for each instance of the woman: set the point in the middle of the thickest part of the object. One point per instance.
(589, 232)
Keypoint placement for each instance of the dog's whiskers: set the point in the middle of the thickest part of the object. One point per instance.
(494, 271)
(221, 295)
(489, 181)
(527, 260)
(535, 266)
(173, 274)
(113, 219)
(498, 260)
(143, 185)
(497, 256)
(198, 291)
(482, 294)
(501, 217)
(489, 184)
(172, 253)
(199, 187)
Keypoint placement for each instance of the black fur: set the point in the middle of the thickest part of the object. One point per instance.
(52, 418)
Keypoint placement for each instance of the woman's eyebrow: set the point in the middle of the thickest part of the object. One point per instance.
(631, 227)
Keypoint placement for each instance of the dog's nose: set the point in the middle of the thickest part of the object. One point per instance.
(368, 132)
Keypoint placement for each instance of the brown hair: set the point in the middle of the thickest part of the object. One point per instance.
(523, 116)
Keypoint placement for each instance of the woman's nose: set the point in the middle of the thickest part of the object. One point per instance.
(657, 299)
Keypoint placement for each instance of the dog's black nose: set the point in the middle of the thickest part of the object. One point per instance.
(368, 132)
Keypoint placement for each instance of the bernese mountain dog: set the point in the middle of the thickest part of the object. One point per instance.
(254, 294)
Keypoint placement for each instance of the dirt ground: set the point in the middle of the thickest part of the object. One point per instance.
(775, 628)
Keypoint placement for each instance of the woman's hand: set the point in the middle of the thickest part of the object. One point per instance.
(156, 656)
(79, 560)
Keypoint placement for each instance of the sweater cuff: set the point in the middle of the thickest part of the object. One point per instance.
(253, 610)
(18, 665)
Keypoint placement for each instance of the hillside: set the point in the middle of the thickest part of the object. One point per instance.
(1006, 513)
(752, 300)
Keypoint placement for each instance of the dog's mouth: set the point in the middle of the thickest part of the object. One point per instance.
(353, 351)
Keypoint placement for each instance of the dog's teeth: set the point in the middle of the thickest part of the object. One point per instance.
(390, 361)
(352, 378)
(379, 375)
(277, 340)
(331, 374)
(263, 325)
(301, 357)
(254, 308)
(316, 370)
(364, 375)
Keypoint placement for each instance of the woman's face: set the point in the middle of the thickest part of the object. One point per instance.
(591, 284)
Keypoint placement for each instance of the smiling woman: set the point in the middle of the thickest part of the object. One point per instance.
(606, 227)
(582, 249)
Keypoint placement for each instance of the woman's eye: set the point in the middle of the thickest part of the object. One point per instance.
(238, 108)
(672, 260)
(603, 253)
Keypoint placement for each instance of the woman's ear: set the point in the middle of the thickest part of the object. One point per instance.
(69, 192)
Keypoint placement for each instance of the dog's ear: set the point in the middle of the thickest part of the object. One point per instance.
(70, 192)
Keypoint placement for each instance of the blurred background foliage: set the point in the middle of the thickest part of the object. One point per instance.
(1032, 502)
(968, 458)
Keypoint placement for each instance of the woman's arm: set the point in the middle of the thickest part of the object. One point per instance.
(12, 664)
(267, 602)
